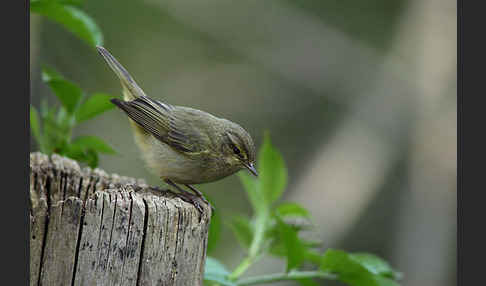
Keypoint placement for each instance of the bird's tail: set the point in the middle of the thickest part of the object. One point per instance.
(131, 90)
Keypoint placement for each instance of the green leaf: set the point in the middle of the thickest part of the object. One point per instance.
(249, 183)
(254, 195)
(351, 271)
(68, 2)
(292, 210)
(68, 93)
(55, 135)
(49, 74)
(312, 255)
(94, 143)
(85, 149)
(216, 272)
(277, 248)
(272, 170)
(88, 156)
(65, 119)
(213, 266)
(375, 265)
(243, 230)
(72, 18)
(34, 125)
(214, 229)
(94, 105)
(295, 250)
(347, 269)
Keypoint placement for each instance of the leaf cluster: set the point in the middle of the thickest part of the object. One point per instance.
(275, 229)
(52, 127)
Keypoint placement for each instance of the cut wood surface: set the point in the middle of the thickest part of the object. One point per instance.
(91, 228)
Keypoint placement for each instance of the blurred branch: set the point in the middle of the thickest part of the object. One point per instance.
(428, 225)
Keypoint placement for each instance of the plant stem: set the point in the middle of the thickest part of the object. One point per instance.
(256, 243)
(293, 275)
(258, 238)
(241, 268)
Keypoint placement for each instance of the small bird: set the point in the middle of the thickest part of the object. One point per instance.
(179, 144)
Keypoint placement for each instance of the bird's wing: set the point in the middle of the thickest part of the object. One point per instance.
(160, 120)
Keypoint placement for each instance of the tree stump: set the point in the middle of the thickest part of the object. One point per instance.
(91, 228)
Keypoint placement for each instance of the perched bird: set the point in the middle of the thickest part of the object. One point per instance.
(179, 144)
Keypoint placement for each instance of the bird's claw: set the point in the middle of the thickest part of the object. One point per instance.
(187, 197)
(200, 196)
(192, 199)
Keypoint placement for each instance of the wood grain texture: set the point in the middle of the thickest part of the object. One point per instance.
(91, 228)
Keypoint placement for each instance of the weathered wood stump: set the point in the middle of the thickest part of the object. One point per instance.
(91, 228)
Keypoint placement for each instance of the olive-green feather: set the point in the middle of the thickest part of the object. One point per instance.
(161, 120)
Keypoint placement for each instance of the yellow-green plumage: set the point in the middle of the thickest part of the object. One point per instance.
(182, 144)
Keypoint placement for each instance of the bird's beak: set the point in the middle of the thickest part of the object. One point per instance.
(252, 169)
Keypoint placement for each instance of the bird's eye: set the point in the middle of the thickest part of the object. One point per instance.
(236, 150)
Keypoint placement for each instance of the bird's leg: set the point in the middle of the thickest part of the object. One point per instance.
(186, 196)
(200, 195)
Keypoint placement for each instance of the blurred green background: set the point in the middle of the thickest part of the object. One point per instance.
(359, 96)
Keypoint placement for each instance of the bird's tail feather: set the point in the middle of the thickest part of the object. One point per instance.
(131, 90)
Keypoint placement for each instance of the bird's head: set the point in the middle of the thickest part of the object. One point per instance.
(239, 149)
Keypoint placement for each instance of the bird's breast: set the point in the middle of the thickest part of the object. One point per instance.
(165, 162)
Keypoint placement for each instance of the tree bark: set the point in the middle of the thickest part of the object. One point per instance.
(91, 228)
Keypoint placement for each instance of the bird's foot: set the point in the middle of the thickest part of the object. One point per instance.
(184, 195)
(201, 196)
(189, 197)
(192, 199)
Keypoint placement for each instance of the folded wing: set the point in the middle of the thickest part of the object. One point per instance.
(160, 120)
